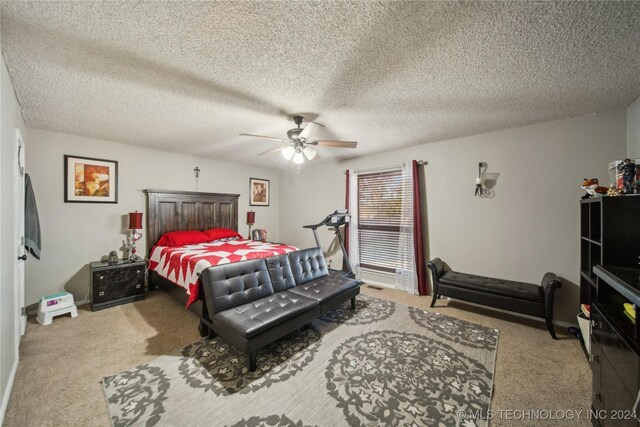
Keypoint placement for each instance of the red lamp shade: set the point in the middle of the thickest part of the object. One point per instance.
(251, 217)
(135, 220)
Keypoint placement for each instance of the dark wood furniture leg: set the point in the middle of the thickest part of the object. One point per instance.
(253, 360)
(550, 328)
(435, 297)
(353, 303)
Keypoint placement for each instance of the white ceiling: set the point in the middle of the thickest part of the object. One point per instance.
(190, 76)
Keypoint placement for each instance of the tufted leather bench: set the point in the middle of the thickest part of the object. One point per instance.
(519, 297)
(252, 303)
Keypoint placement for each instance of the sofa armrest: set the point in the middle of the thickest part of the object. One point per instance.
(550, 283)
(437, 268)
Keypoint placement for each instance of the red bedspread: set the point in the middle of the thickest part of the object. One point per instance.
(182, 264)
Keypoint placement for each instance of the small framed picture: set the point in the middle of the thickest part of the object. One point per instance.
(259, 192)
(89, 180)
(258, 234)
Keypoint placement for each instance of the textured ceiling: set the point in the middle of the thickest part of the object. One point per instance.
(190, 76)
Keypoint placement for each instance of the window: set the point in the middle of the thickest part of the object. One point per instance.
(380, 208)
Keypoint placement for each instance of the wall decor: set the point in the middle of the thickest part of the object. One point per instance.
(89, 180)
(259, 192)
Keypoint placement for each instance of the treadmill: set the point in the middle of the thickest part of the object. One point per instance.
(335, 220)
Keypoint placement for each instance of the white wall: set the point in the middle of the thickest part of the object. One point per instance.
(74, 234)
(633, 130)
(10, 119)
(531, 225)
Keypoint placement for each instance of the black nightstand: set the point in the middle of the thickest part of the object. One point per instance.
(116, 284)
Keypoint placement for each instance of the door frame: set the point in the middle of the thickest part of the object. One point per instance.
(20, 271)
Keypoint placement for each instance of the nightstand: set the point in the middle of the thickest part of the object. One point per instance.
(116, 284)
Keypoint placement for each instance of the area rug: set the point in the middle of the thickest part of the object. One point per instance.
(381, 364)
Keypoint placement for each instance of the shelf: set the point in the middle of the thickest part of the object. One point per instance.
(622, 325)
(585, 275)
(624, 280)
(595, 242)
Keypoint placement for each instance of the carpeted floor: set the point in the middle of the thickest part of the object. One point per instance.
(380, 364)
(61, 366)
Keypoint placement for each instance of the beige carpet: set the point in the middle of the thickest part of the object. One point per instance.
(381, 364)
(61, 367)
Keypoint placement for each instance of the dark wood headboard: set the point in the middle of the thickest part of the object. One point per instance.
(169, 210)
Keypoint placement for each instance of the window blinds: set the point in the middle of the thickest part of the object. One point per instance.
(380, 218)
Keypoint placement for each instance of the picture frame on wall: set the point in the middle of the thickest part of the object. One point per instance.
(259, 190)
(90, 180)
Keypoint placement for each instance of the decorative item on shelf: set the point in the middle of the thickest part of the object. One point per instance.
(628, 169)
(113, 258)
(196, 175)
(592, 188)
(135, 224)
(251, 219)
(615, 192)
(630, 311)
(617, 171)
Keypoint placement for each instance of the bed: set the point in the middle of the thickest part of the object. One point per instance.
(169, 211)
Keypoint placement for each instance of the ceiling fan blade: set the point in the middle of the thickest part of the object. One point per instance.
(307, 130)
(263, 137)
(272, 150)
(335, 144)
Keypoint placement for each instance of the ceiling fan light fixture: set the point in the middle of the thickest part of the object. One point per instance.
(309, 152)
(288, 152)
(298, 158)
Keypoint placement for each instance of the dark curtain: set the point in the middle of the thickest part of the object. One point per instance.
(418, 245)
(346, 227)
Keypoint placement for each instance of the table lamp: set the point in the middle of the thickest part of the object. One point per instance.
(135, 224)
(251, 219)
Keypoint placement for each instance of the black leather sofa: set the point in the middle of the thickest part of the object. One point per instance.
(252, 303)
(525, 298)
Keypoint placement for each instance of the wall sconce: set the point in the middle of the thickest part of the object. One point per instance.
(485, 181)
(251, 219)
(135, 224)
(482, 167)
(196, 175)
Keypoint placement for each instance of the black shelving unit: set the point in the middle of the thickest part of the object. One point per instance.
(615, 347)
(609, 235)
(610, 277)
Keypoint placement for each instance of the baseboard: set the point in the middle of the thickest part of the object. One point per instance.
(512, 313)
(7, 393)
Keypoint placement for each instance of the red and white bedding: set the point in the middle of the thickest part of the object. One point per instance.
(181, 264)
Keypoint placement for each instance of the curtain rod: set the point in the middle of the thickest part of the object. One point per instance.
(386, 168)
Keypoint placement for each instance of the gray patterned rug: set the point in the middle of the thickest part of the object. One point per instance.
(382, 364)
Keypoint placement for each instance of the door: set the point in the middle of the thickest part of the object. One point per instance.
(21, 317)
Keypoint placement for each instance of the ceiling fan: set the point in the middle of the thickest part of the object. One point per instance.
(299, 144)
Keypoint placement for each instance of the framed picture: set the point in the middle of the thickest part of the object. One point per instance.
(259, 235)
(259, 192)
(88, 180)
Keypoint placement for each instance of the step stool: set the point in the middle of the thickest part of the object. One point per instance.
(55, 305)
